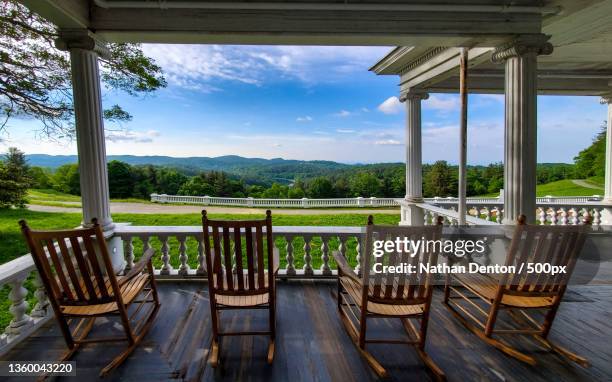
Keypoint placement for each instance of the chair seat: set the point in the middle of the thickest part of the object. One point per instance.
(129, 291)
(486, 287)
(242, 300)
(354, 290)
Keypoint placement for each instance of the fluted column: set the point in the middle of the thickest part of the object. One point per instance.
(85, 48)
(520, 142)
(606, 217)
(412, 215)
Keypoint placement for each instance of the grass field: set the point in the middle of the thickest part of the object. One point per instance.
(567, 188)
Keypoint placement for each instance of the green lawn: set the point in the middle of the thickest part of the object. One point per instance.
(59, 199)
(567, 188)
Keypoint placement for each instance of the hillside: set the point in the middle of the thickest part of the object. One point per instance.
(258, 169)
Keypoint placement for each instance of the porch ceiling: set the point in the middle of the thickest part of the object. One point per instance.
(316, 22)
(581, 63)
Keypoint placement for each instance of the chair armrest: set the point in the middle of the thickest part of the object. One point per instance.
(344, 268)
(139, 266)
(276, 259)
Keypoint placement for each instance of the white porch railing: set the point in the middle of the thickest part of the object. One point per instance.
(349, 202)
(275, 203)
(554, 212)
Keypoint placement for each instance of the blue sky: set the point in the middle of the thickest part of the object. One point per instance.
(308, 103)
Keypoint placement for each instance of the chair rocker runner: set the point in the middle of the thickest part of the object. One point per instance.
(77, 273)
(386, 295)
(240, 277)
(469, 296)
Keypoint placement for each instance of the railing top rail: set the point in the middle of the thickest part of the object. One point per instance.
(128, 230)
(454, 214)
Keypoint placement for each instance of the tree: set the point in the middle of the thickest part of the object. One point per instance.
(36, 81)
(40, 177)
(14, 180)
(196, 186)
(66, 179)
(592, 160)
(120, 182)
(320, 188)
(439, 180)
(170, 181)
(365, 184)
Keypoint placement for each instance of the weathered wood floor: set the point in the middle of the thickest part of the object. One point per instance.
(313, 346)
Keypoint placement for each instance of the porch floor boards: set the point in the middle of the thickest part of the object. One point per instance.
(311, 343)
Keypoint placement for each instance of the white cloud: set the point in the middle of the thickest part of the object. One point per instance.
(345, 131)
(443, 103)
(306, 118)
(343, 113)
(388, 142)
(194, 67)
(132, 136)
(391, 105)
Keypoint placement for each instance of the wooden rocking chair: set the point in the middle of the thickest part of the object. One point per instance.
(484, 295)
(77, 273)
(230, 285)
(403, 296)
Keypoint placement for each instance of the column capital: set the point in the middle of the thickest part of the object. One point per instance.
(606, 99)
(523, 45)
(413, 95)
(81, 39)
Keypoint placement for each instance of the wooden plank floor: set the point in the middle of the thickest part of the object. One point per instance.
(313, 346)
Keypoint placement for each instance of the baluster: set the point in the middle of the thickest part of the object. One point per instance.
(184, 267)
(426, 217)
(563, 216)
(201, 260)
(542, 215)
(596, 217)
(289, 257)
(165, 258)
(487, 212)
(325, 269)
(128, 245)
(500, 215)
(18, 309)
(553, 216)
(359, 256)
(574, 219)
(307, 257)
(41, 309)
(434, 218)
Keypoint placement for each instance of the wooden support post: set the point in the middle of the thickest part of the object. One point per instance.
(463, 136)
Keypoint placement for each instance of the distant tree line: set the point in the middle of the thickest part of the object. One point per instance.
(380, 180)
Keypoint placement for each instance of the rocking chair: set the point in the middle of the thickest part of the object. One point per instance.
(469, 296)
(230, 286)
(403, 296)
(78, 276)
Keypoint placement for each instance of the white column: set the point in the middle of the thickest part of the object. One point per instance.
(412, 215)
(84, 48)
(520, 146)
(606, 217)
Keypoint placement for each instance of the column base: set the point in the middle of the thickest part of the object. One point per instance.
(411, 215)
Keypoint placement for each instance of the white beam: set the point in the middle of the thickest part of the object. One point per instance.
(63, 13)
(325, 27)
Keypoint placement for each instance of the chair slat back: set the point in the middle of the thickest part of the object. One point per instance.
(74, 265)
(558, 246)
(230, 246)
(400, 287)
